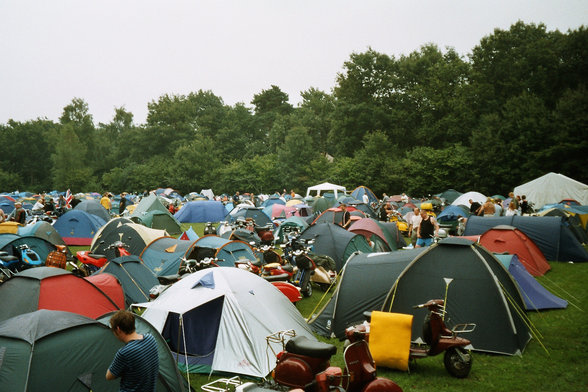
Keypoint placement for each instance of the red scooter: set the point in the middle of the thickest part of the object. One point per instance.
(305, 364)
(92, 262)
(438, 338)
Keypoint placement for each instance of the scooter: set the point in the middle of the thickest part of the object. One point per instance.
(305, 364)
(9, 265)
(92, 262)
(28, 257)
(324, 274)
(296, 252)
(438, 338)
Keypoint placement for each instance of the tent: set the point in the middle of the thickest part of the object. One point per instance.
(78, 227)
(218, 320)
(70, 351)
(10, 242)
(277, 210)
(448, 219)
(250, 212)
(43, 230)
(393, 234)
(374, 273)
(449, 195)
(134, 235)
(135, 277)
(148, 203)
(477, 289)
(552, 188)
(549, 233)
(159, 220)
(164, 255)
(535, 295)
(189, 235)
(93, 207)
(464, 199)
(58, 289)
(201, 211)
(358, 193)
(508, 239)
(334, 241)
(335, 215)
(292, 222)
(320, 189)
(571, 218)
(371, 229)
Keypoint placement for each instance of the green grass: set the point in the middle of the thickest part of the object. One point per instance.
(560, 366)
(556, 362)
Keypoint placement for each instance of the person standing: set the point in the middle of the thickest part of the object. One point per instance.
(105, 201)
(123, 203)
(413, 228)
(346, 218)
(428, 229)
(137, 362)
(487, 208)
(474, 207)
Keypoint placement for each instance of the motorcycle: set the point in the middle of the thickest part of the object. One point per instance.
(438, 338)
(28, 257)
(88, 263)
(296, 252)
(305, 364)
(9, 265)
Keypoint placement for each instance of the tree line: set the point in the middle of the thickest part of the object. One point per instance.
(513, 109)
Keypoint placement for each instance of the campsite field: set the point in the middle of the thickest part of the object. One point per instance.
(554, 361)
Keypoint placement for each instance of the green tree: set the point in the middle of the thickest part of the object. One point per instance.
(69, 169)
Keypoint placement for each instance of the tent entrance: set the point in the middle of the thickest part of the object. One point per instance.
(194, 341)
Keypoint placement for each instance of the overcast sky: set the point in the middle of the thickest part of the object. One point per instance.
(114, 53)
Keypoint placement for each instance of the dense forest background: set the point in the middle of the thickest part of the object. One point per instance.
(513, 109)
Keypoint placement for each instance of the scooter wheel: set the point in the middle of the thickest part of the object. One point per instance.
(307, 291)
(458, 362)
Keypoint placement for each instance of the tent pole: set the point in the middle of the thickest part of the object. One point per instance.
(447, 283)
(185, 350)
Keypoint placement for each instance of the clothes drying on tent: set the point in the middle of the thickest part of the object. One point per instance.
(78, 227)
(508, 239)
(549, 233)
(375, 273)
(218, 320)
(58, 289)
(536, 296)
(476, 288)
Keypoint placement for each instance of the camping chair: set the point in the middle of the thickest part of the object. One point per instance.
(390, 337)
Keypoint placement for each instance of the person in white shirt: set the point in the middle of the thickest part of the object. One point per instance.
(413, 227)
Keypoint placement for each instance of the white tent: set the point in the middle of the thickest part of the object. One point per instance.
(319, 189)
(553, 188)
(218, 319)
(464, 199)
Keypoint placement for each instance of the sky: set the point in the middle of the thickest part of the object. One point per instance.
(128, 53)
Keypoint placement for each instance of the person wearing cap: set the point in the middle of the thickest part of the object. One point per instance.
(18, 215)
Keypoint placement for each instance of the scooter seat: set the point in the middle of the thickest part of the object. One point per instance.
(96, 256)
(277, 278)
(301, 345)
(288, 267)
(9, 259)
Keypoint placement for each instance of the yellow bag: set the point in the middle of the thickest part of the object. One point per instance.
(390, 335)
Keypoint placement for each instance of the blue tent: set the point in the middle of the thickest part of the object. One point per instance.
(201, 211)
(257, 214)
(536, 297)
(78, 227)
(362, 190)
(451, 213)
(549, 233)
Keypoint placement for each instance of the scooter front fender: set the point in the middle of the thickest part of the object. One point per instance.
(381, 385)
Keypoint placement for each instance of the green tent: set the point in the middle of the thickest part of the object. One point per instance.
(156, 219)
(62, 351)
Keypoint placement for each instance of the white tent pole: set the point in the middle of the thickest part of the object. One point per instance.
(185, 348)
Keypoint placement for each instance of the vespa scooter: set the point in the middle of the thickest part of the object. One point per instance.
(438, 338)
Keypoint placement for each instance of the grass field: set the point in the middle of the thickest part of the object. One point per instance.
(557, 361)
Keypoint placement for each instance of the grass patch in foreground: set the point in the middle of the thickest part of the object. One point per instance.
(561, 368)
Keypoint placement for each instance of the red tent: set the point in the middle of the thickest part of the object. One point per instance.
(509, 239)
(58, 289)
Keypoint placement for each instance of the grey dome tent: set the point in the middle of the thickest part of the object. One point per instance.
(49, 350)
(365, 281)
(93, 206)
(480, 291)
(334, 241)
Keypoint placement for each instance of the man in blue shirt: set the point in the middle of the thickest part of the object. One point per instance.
(137, 363)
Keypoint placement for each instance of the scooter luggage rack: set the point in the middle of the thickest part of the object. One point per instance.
(222, 385)
(463, 328)
(279, 337)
